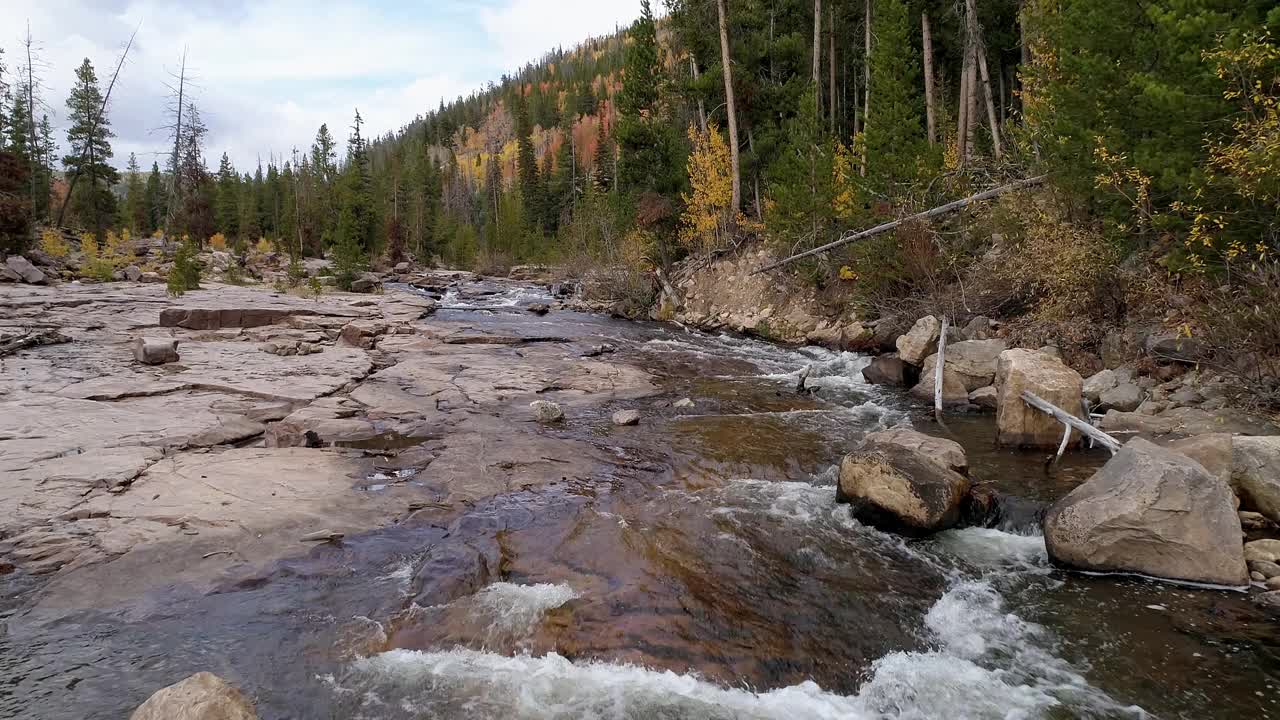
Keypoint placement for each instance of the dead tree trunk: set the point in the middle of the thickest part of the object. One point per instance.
(831, 64)
(730, 108)
(962, 110)
(866, 79)
(702, 109)
(980, 52)
(817, 58)
(926, 215)
(928, 78)
(1071, 421)
(938, 370)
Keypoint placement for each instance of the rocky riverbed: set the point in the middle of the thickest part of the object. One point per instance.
(433, 502)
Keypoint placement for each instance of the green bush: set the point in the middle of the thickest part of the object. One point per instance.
(185, 274)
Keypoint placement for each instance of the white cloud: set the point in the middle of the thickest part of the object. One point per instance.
(269, 72)
(523, 30)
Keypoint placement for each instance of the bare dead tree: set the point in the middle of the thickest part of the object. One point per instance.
(730, 106)
(176, 109)
(97, 118)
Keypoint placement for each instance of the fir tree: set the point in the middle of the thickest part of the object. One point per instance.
(227, 212)
(90, 150)
(155, 199)
(648, 156)
(135, 202)
(531, 192)
(604, 160)
(895, 135)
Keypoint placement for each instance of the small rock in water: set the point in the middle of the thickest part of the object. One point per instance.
(683, 404)
(155, 351)
(598, 350)
(1266, 568)
(626, 417)
(539, 308)
(203, 696)
(322, 536)
(1253, 520)
(545, 411)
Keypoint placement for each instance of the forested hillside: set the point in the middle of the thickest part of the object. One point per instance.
(709, 124)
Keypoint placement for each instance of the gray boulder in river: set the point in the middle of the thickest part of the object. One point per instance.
(901, 490)
(1152, 511)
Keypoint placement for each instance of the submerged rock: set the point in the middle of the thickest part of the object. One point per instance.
(1152, 511)
(155, 351)
(902, 491)
(203, 696)
(885, 370)
(1019, 424)
(626, 417)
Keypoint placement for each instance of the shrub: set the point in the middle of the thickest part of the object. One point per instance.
(185, 274)
(218, 241)
(53, 244)
(263, 246)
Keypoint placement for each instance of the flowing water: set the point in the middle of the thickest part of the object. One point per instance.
(706, 573)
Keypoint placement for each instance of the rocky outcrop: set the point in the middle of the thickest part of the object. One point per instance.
(885, 369)
(901, 491)
(366, 282)
(1255, 473)
(203, 696)
(726, 294)
(1019, 424)
(218, 318)
(154, 351)
(1152, 511)
(921, 340)
(24, 270)
(947, 453)
(973, 362)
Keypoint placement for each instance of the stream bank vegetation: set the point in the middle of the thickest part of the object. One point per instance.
(709, 126)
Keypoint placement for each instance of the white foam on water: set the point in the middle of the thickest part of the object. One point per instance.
(517, 609)
(987, 664)
(990, 549)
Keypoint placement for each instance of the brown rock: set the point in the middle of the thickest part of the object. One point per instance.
(1255, 472)
(203, 696)
(1152, 511)
(154, 351)
(885, 370)
(947, 453)
(904, 491)
(973, 361)
(921, 340)
(1019, 424)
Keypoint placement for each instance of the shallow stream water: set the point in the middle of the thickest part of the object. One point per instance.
(707, 573)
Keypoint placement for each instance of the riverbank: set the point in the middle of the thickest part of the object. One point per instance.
(658, 565)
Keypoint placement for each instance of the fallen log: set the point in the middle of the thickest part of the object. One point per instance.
(1071, 421)
(927, 214)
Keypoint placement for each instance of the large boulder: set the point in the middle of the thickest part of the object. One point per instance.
(203, 696)
(885, 369)
(1099, 383)
(902, 491)
(366, 282)
(1017, 423)
(947, 453)
(23, 268)
(954, 391)
(973, 361)
(154, 351)
(1255, 472)
(1125, 397)
(921, 340)
(1152, 511)
(1213, 451)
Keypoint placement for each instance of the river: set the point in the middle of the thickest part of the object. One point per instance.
(706, 572)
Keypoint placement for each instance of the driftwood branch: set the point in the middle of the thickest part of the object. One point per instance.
(927, 214)
(938, 369)
(1071, 421)
(30, 340)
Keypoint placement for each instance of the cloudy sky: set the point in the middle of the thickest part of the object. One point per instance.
(268, 72)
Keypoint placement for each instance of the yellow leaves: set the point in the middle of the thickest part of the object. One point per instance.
(263, 246)
(844, 200)
(709, 217)
(218, 241)
(89, 246)
(847, 274)
(53, 245)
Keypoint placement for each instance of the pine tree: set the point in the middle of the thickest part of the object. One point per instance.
(135, 202)
(227, 211)
(155, 199)
(895, 137)
(90, 147)
(44, 167)
(647, 142)
(531, 191)
(604, 160)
